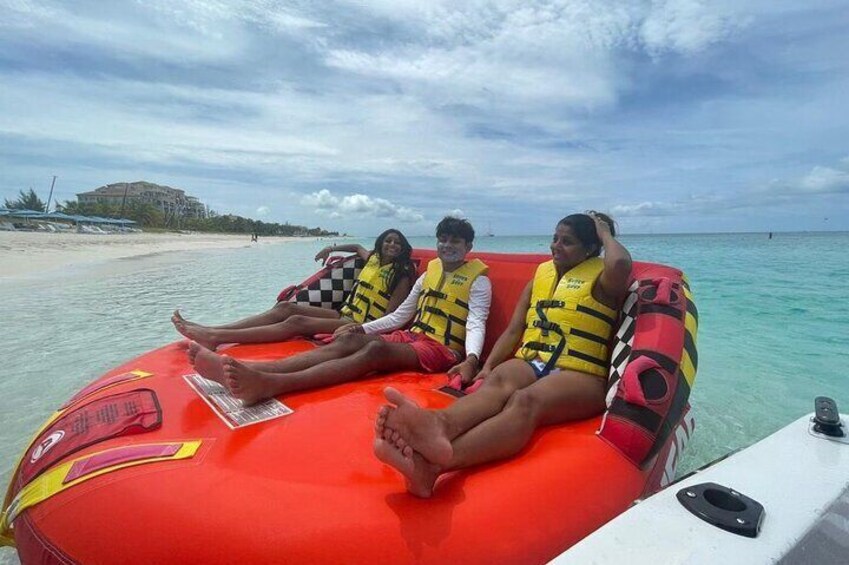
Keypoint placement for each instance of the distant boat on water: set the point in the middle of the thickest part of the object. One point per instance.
(489, 231)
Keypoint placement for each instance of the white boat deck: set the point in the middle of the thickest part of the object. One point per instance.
(801, 480)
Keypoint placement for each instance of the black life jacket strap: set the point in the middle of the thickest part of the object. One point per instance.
(555, 350)
(349, 300)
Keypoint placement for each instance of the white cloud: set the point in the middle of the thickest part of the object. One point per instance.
(826, 179)
(262, 211)
(194, 32)
(511, 54)
(777, 192)
(686, 26)
(644, 209)
(359, 205)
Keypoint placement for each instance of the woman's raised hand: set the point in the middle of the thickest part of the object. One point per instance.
(323, 255)
(602, 228)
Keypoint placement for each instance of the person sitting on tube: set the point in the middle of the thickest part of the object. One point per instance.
(382, 286)
(448, 307)
(548, 367)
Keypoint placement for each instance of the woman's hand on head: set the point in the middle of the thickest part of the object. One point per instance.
(602, 228)
(353, 327)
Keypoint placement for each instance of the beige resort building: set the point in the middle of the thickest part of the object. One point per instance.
(169, 201)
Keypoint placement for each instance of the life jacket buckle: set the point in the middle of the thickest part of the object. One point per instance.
(539, 346)
(546, 325)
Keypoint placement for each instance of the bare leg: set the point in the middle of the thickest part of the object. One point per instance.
(342, 347)
(277, 313)
(296, 325)
(374, 355)
(557, 398)
(560, 397)
(430, 432)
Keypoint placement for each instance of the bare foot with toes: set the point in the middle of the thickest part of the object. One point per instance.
(420, 475)
(194, 332)
(207, 363)
(423, 430)
(247, 384)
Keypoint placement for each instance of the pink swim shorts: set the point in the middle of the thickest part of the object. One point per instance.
(433, 356)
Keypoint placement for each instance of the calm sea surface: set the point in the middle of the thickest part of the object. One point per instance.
(773, 333)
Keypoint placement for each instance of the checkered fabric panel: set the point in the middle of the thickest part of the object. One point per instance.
(623, 342)
(331, 289)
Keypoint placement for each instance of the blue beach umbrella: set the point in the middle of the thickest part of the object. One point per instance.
(61, 216)
(27, 214)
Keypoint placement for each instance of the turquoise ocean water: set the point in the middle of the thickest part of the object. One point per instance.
(773, 333)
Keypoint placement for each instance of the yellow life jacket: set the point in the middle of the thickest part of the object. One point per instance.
(565, 326)
(369, 297)
(444, 302)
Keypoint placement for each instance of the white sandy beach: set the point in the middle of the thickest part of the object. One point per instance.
(26, 253)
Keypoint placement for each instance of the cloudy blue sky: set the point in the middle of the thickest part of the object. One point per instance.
(673, 115)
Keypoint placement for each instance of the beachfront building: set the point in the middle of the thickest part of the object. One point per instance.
(169, 201)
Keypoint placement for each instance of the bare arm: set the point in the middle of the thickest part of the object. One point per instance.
(345, 248)
(402, 290)
(613, 282)
(507, 341)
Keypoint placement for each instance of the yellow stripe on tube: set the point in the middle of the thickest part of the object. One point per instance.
(53, 481)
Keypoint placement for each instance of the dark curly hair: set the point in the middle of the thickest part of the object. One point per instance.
(402, 266)
(583, 227)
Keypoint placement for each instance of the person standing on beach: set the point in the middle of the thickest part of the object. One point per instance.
(383, 284)
(562, 325)
(448, 306)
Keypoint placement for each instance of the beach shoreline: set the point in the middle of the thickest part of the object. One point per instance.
(26, 254)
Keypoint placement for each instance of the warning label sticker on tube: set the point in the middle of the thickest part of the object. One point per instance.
(230, 409)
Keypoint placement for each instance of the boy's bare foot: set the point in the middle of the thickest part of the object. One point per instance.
(419, 474)
(421, 429)
(247, 384)
(207, 363)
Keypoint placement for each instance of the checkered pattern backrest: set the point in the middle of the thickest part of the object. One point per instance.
(623, 341)
(330, 286)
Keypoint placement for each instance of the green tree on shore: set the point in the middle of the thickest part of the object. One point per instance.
(26, 201)
(147, 215)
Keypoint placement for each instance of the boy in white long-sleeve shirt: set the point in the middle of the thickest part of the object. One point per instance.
(448, 306)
